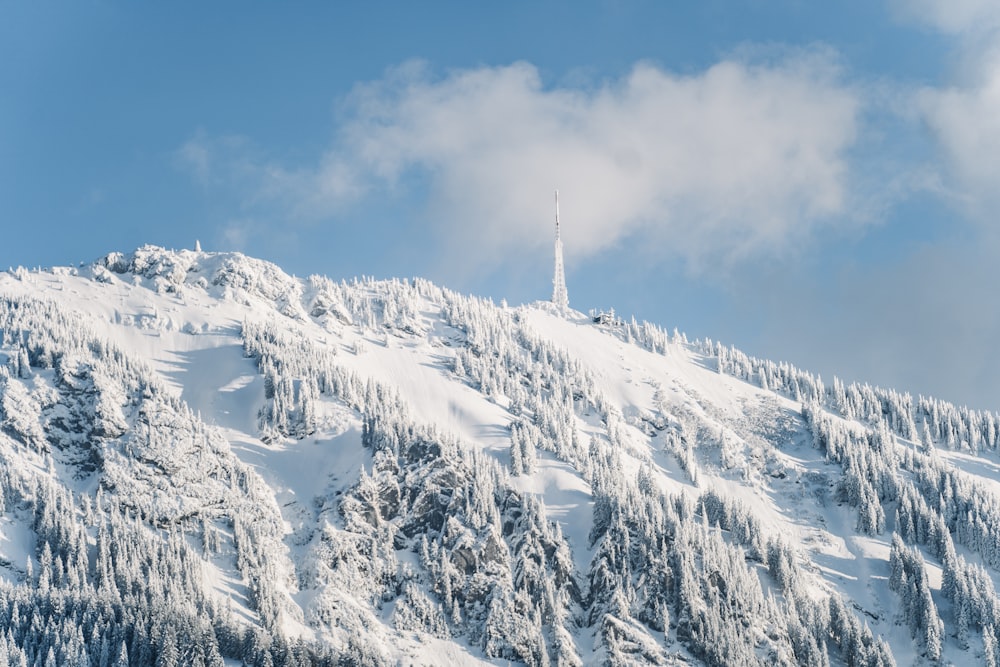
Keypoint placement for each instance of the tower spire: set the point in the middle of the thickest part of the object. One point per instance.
(560, 298)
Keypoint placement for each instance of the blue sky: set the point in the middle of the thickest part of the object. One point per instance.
(813, 182)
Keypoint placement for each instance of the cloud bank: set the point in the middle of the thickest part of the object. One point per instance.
(925, 320)
(952, 16)
(740, 160)
(964, 114)
(965, 121)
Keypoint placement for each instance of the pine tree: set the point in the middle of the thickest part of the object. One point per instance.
(122, 659)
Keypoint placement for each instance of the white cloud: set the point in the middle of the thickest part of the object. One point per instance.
(964, 114)
(196, 157)
(237, 233)
(739, 160)
(953, 16)
(965, 121)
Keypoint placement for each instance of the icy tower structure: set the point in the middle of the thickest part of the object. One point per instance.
(559, 295)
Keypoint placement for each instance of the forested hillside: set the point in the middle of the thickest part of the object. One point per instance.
(206, 461)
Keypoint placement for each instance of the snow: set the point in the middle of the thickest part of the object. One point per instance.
(219, 382)
(191, 339)
(982, 469)
(420, 373)
(567, 500)
(418, 649)
(15, 538)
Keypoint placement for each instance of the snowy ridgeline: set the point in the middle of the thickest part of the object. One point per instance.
(204, 459)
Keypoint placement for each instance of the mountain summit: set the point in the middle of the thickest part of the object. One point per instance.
(207, 461)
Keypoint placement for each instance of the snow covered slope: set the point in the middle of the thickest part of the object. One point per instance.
(205, 459)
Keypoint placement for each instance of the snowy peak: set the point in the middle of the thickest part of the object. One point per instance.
(202, 455)
(167, 270)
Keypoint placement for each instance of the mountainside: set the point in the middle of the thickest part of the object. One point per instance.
(207, 461)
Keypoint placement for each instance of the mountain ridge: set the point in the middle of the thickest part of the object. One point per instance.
(374, 472)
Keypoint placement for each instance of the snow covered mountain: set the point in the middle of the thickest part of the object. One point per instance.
(207, 461)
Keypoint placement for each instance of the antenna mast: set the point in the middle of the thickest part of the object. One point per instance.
(560, 298)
